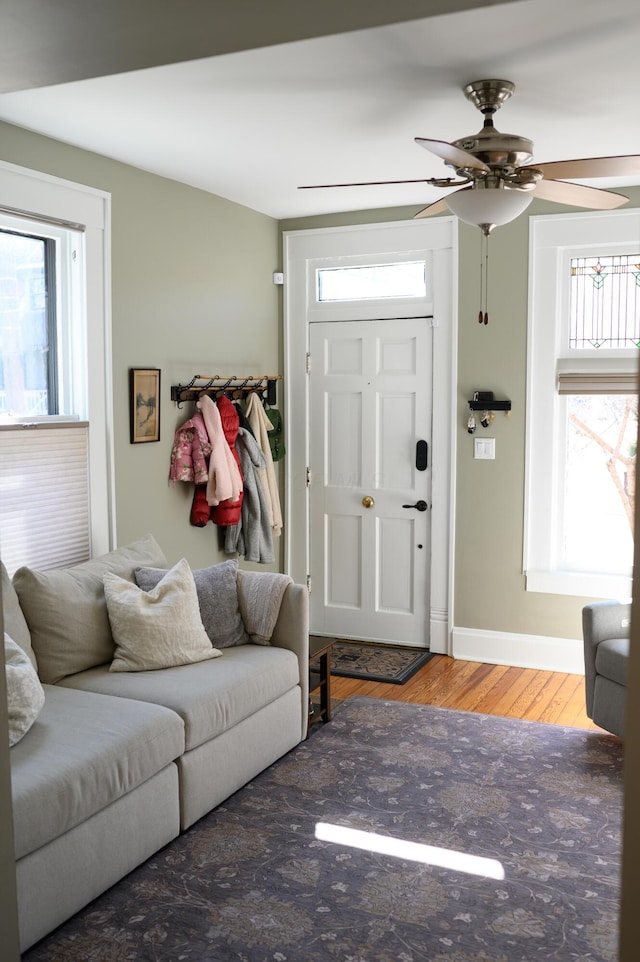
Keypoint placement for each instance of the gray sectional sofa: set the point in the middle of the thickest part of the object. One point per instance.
(118, 763)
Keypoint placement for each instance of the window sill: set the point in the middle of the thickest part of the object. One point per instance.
(582, 584)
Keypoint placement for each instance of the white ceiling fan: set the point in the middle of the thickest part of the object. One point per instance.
(495, 177)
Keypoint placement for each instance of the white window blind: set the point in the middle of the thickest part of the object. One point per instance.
(603, 382)
(44, 494)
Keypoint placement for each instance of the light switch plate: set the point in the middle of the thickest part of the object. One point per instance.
(484, 449)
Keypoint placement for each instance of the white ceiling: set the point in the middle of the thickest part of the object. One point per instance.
(253, 125)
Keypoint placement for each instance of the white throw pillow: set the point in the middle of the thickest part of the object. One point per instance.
(25, 694)
(161, 628)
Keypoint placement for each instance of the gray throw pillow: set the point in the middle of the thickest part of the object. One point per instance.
(66, 611)
(218, 599)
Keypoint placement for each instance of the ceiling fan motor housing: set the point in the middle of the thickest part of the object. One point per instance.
(504, 153)
(507, 151)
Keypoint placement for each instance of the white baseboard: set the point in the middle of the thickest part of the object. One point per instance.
(439, 631)
(520, 651)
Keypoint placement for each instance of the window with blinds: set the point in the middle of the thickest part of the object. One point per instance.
(582, 420)
(56, 418)
(44, 465)
(44, 494)
(598, 404)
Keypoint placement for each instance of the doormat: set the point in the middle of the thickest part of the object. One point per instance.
(386, 663)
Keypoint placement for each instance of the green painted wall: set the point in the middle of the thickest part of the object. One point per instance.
(489, 583)
(192, 294)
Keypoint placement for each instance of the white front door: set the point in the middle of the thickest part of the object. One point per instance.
(369, 445)
(353, 423)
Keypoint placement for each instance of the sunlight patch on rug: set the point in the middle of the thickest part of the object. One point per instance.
(412, 851)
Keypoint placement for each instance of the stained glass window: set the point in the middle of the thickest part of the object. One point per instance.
(605, 302)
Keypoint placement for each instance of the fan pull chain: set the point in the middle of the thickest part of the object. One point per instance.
(485, 238)
(483, 316)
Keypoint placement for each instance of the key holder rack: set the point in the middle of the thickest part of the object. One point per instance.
(235, 387)
(485, 401)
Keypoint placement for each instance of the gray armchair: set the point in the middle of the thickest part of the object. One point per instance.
(605, 628)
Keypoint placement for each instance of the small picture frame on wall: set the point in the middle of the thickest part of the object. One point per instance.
(144, 399)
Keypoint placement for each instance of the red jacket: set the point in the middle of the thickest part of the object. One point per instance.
(228, 512)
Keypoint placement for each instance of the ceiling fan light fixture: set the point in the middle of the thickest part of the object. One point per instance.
(488, 207)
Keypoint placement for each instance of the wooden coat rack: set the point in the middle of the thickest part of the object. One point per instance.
(235, 386)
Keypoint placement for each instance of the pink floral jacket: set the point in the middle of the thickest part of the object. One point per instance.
(190, 452)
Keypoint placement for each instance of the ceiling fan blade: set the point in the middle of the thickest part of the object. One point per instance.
(370, 183)
(594, 198)
(437, 207)
(625, 166)
(450, 154)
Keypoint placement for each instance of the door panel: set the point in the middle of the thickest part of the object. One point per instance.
(396, 539)
(343, 433)
(395, 470)
(370, 403)
(343, 541)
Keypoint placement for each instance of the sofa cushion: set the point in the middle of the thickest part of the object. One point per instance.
(212, 696)
(14, 621)
(25, 695)
(612, 657)
(160, 628)
(218, 599)
(85, 751)
(66, 610)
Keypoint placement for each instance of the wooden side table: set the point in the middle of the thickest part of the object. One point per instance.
(320, 651)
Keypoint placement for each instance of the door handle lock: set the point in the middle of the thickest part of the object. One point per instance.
(368, 501)
(422, 455)
(419, 505)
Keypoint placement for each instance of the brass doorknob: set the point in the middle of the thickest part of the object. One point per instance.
(368, 501)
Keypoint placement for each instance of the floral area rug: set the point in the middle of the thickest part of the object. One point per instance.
(385, 663)
(252, 882)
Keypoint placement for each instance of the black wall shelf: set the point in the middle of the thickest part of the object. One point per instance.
(490, 405)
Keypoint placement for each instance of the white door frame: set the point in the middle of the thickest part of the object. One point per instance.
(439, 237)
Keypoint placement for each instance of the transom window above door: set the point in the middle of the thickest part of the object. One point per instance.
(370, 282)
(383, 284)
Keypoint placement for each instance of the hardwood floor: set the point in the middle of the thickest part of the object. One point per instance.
(543, 696)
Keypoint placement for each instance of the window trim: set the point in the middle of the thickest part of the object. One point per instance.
(553, 239)
(44, 198)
